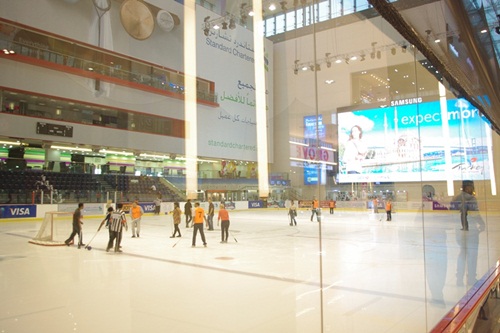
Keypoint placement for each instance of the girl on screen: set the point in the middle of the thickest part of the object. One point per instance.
(355, 151)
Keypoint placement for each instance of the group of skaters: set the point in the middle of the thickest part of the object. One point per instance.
(316, 210)
(116, 221)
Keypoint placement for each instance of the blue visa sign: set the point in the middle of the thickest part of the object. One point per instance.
(17, 211)
(256, 204)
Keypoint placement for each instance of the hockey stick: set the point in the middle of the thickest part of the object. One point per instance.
(88, 247)
(177, 242)
(233, 237)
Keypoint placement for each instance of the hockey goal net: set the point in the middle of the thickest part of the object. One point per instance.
(55, 228)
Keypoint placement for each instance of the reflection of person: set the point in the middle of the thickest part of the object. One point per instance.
(177, 219)
(355, 151)
(468, 241)
(77, 226)
(465, 202)
(224, 218)
(375, 205)
(198, 219)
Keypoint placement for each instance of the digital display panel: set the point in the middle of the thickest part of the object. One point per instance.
(424, 141)
(314, 129)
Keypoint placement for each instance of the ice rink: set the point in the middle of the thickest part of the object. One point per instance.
(354, 272)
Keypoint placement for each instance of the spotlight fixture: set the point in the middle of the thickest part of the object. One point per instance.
(372, 55)
(362, 56)
(206, 19)
(295, 71)
(224, 25)
(379, 54)
(403, 48)
(393, 51)
(328, 64)
(283, 5)
(318, 67)
(232, 24)
(206, 31)
(311, 68)
(346, 60)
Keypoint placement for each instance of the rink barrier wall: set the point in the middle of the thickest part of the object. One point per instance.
(462, 317)
(28, 211)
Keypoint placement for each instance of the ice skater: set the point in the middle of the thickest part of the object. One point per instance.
(292, 212)
(198, 220)
(223, 217)
(77, 227)
(188, 212)
(118, 222)
(388, 209)
(210, 215)
(136, 213)
(176, 214)
(315, 208)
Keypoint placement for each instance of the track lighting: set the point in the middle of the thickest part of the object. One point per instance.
(393, 51)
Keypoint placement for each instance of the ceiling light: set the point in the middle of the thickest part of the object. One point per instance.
(338, 61)
(104, 151)
(17, 143)
(272, 6)
(304, 68)
(71, 148)
(329, 81)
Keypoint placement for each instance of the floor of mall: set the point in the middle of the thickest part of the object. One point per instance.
(371, 273)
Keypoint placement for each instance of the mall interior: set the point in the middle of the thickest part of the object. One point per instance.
(262, 103)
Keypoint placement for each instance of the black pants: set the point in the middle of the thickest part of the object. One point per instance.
(189, 217)
(112, 236)
(224, 231)
(389, 215)
(77, 230)
(176, 230)
(198, 226)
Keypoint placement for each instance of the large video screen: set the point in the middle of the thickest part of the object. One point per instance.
(314, 129)
(425, 141)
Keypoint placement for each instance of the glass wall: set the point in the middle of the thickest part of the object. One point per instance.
(392, 175)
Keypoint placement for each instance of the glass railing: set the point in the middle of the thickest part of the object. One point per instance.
(106, 65)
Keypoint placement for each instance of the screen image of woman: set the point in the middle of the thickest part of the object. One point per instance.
(355, 151)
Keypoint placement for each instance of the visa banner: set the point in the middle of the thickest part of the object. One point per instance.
(17, 211)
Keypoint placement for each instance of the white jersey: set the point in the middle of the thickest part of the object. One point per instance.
(118, 220)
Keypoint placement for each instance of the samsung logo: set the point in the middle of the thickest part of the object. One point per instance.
(406, 101)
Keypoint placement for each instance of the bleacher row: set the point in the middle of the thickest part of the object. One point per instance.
(35, 180)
